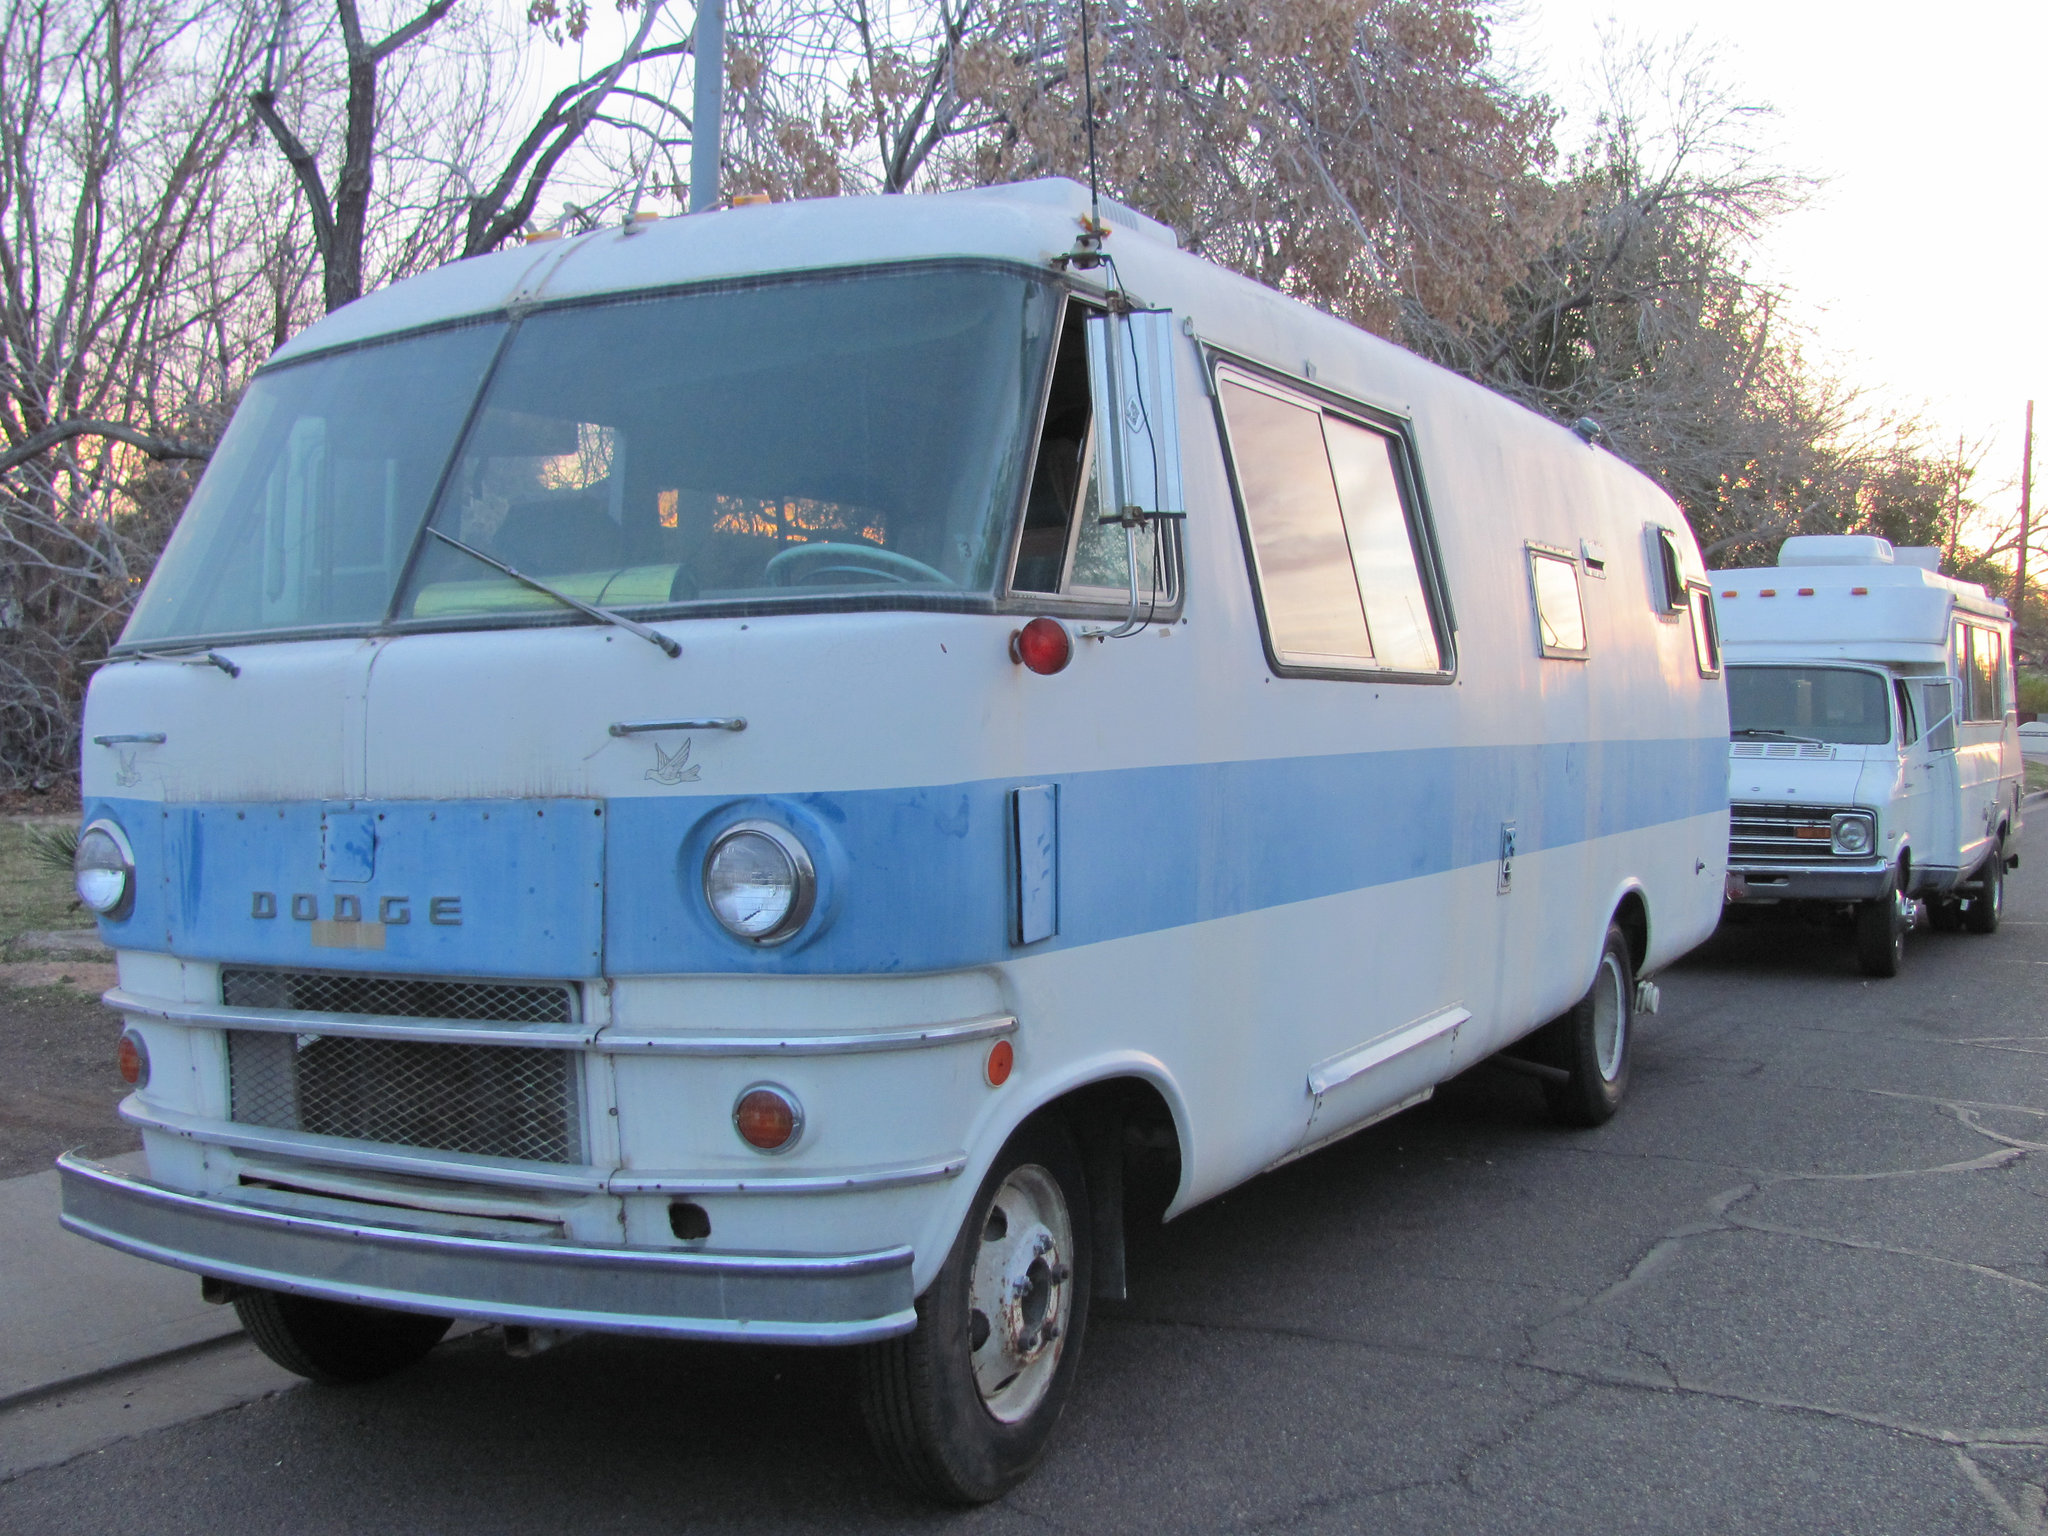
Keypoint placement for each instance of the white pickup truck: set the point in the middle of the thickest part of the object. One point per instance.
(1874, 756)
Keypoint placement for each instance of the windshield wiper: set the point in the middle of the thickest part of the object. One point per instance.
(602, 615)
(1776, 734)
(191, 658)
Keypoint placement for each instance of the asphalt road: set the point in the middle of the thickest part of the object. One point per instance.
(1798, 1285)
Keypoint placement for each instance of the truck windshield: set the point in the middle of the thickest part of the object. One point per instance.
(1831, 704)
(856, 436)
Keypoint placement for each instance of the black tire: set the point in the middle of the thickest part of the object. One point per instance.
(1591, 1042)
(1983, 910)
(1881, 934)
(933, 1419)
(333, 1341)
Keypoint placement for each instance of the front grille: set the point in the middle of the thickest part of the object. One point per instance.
(403, 997)
(494, 1100)
(1799, 751)
(1785, 834)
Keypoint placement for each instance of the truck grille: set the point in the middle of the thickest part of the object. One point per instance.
(492, 1100)
(1784, 834)
(1796, 751)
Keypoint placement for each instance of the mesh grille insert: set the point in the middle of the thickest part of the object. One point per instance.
(493, 1100)
(405, 997)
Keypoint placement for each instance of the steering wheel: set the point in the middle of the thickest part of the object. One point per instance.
(801, 562)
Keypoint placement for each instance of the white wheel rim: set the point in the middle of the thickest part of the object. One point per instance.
(1610, 1019)
(1020, 1296)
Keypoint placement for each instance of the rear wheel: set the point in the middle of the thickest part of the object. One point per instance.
(1983, 910)
(1881, 932)
(333, 1341)
(961, 1408)
(1591, 1042)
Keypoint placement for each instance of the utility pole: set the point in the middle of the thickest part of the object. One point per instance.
(709, 48)
(2019, 580)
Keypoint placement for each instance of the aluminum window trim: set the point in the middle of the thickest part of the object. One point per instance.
(1221, 364)
(1533, 551)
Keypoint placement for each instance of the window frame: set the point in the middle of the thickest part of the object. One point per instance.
(1670, 593)
(1406, 462)
(1085, 602)
(1532, 551)
(1699, 601)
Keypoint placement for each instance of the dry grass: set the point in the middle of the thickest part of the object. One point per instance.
(2037, 775)
(35, 890)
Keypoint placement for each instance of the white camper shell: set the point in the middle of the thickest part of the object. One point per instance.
(685, 782)
(1874, 756)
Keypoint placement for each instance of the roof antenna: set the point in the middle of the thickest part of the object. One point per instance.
(1087, 251)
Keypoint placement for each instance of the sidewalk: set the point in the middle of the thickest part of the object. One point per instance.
(71, 1308)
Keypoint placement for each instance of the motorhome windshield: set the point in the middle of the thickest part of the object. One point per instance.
(855, 436)
(1838, 705)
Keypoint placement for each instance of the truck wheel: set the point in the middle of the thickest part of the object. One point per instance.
(1982, 911)
(961, 1408)
(1881, 933)
(333, 1341)
(1591, 1042)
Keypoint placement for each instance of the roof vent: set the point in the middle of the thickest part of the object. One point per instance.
(1926, 556)
(1835, 549)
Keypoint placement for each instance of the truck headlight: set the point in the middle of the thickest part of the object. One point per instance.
(103, 869)
(759, 882)
(1852, 834)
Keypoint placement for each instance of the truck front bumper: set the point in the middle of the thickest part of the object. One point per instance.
(1808, 882)
(783, 1298)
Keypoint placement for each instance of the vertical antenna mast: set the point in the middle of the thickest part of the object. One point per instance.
(1088, 96)
(709, 48)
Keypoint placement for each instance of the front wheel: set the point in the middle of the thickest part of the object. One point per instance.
(1881, 933)
(336, 1342)
(961, 1408)
(1983, 910)
(1591, 1042)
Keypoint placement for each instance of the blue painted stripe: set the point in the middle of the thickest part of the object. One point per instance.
(911, 879)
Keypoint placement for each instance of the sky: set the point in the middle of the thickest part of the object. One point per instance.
(1913, 264)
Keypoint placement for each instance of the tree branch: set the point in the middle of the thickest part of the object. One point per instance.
(158, 448)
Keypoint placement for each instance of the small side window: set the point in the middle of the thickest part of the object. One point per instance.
(1939, 697)
(1670, 572)
(1706, 634)
(1560, 609)
(1909, 730)
(1987, 666)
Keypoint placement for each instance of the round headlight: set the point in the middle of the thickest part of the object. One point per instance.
(104, 870)
(1853, 834)
(759, 882)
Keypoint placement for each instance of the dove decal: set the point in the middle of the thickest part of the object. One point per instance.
(669, 769)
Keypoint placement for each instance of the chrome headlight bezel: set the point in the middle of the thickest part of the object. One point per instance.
(88, 859)
(1860, 828)
(801, 874)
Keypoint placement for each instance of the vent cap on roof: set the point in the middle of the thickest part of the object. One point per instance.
(1835, 549)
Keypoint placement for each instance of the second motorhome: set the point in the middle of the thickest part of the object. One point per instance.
(1874, 758)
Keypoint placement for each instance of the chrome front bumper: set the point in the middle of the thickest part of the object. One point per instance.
(1808, 882)
(779, 1298)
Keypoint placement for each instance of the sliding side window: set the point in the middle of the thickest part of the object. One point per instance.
(1560, 609)
(1706, 632)
(1335, 546)
(1065, 548)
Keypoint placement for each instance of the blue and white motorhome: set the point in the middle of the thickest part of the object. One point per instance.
(747, 777)
(1874, 760)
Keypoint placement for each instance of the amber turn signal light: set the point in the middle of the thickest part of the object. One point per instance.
(1043, 645)
(131, 1059)
(768, 1118)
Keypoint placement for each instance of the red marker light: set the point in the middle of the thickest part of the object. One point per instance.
(1043, 645)
(1768, 592)
(1859, 591)
(767, 1118)
(1806, 591)
(1728, 594)
(131, 1059)
(1002, 1056)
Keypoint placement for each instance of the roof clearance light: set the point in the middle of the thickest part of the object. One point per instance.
(1729, 594)
(1043, 645)
(131, 1059)
(1859, 591)
(1806, 591)
(1768, 592)
(103, 870)
(768, 1118)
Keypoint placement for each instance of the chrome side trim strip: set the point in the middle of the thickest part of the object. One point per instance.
(1341, 1068)
(710, 723)
(676, 1293)
(339, 1152)
(628, 1182)
(902, 1038)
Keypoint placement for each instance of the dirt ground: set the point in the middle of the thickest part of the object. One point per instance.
(58, 1087)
